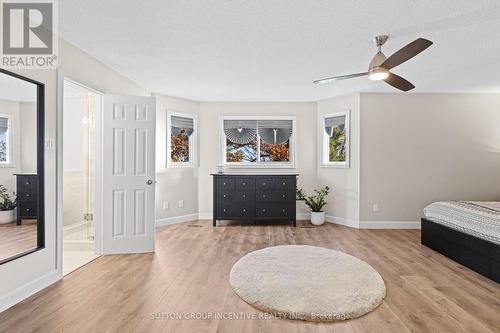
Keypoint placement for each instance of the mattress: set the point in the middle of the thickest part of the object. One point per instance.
(476, 218)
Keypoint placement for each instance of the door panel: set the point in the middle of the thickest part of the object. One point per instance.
(128, 164)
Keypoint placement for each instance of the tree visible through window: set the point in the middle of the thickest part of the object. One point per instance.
(182, 142)
(336, 139)
(257, 141)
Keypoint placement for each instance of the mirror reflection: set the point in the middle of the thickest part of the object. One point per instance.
(18, 167)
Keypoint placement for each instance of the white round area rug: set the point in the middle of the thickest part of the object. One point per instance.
(307, 283)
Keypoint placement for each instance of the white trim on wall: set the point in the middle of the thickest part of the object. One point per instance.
(389, 225)
(28, 289)
(176, 219)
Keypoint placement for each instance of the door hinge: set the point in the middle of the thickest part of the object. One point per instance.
(88, 217)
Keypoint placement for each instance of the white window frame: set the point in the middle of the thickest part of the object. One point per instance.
(325, 144)
(10, 128)
(258, 164)
(193, 142)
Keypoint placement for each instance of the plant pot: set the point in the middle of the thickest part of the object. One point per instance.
(7, 216)
(317, 218)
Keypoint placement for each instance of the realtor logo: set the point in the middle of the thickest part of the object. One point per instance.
(28, 34)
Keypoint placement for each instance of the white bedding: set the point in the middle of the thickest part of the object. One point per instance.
(476, 218)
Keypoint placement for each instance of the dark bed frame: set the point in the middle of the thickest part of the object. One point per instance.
(475, 253)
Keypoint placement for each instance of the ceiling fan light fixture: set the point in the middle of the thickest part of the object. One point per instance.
(378, 74)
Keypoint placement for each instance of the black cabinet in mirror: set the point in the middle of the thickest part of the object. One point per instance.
(21, 166)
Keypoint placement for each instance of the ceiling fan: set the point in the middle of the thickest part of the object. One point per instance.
(380, 65)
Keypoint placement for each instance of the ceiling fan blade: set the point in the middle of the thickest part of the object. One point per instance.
(398, 82)
(406, 53)
(337, 78)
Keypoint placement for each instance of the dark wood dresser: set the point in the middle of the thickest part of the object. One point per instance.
(262, 197)
(27, 197)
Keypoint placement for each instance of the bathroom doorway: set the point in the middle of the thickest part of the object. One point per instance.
(81, 107)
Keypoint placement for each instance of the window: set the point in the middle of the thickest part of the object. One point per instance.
(335, 128)
(5, 152)
(181, 140)
(262, 141)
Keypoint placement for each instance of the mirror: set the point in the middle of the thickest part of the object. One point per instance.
(21, 166)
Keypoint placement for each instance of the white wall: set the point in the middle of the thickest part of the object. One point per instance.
(420, 148)
(210, 148)
(25, 275)
(343, 202)
(173, 184)
(28, 136)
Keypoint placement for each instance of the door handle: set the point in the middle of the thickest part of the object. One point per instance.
(149, 182)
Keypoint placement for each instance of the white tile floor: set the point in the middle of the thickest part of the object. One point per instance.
(73, 260)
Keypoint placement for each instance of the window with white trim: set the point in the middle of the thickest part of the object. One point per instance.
(181, 139)
(5, 152)
(335, 146)
(258, 141)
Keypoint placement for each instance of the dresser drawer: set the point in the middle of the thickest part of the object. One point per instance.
(26, 185)
(284, 183)
(274, 196)
(27, 209)
(235, 196)
(274, 210)
(235, 210)
(244, 183)
(264, 183)
(225, 183)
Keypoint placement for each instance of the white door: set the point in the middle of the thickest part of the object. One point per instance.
(128, 174)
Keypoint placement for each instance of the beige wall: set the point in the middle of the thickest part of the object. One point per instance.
(343, 202)
(420, 148)
(210, 147)
(173, 184)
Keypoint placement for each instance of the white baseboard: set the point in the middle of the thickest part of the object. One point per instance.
(23, 292)
(389, 225)
(300, 216)
(176, 219)
(307, 216)
(342, 221)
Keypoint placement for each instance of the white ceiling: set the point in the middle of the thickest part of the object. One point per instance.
(271, 50)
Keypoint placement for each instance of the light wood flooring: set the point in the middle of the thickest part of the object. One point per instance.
(426, 292)
(15, 239)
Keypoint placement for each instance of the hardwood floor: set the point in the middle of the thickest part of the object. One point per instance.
(426, 292)
(15, 239)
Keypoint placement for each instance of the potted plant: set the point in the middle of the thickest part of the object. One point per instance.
(315, 202)
(7, 206)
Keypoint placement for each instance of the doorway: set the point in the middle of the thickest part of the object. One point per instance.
(81, 107)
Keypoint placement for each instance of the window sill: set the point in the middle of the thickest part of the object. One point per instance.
(259, 166)
(334, 165)
(6, 165)
(181, 166)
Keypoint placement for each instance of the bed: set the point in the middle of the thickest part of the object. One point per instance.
(467, 232)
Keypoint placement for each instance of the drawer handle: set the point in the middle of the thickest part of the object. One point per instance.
(27, 183)
(224, 184)
(224, 210)
(244, 183)
(284, 211)
(27, 209)
(244, 210)
(283, 183)
(284, 195)
(263, 196)
(224, 195)
(244, 195)
(263, 211)
(264, 184)
(27, 195)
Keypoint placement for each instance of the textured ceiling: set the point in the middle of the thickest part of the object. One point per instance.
(271, 50)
